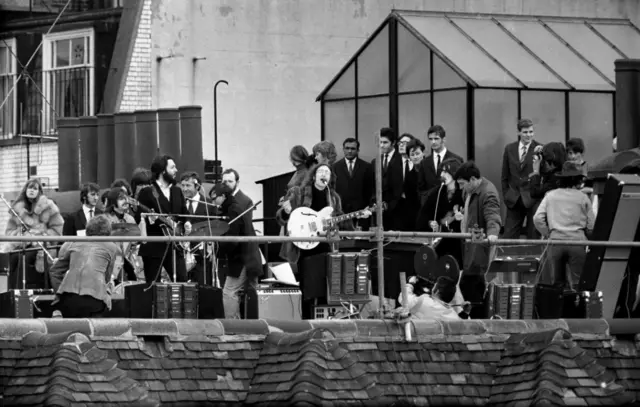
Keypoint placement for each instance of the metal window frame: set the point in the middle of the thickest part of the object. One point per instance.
(11, 44)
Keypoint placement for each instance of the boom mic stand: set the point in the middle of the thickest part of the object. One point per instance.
(24, 229)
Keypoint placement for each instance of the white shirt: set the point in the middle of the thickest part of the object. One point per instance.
(193, 205)
(520, 146)
(86, 210)
(351, 164)
(389, 157)
(166, 191)
(435, 157)
(404, 163)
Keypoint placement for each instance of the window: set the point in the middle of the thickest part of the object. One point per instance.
(8, 76)
(68, 76)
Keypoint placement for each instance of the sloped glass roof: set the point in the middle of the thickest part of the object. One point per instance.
(523, 52)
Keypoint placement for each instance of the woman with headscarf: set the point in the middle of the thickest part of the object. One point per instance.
(547, 164)
(37, 215)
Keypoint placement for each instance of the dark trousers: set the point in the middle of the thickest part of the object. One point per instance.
(562, 266)
(473, 286)
(515, 217)
(80, 306)
(153, 267)
(33, 278)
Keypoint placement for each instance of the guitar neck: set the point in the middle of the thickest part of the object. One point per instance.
(342, 218)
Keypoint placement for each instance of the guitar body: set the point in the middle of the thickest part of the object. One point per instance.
(305, 222)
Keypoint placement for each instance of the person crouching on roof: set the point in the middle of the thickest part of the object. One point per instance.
(81, 276)
(437, 305)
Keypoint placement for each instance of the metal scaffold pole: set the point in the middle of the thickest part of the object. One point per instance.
(379, 237)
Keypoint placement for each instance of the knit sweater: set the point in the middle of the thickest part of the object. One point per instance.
(565, 214)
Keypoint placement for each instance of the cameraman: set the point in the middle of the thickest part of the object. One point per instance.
(547, 164)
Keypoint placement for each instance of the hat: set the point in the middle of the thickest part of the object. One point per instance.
(571, 169)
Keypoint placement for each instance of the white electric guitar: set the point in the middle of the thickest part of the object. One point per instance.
(305, 222)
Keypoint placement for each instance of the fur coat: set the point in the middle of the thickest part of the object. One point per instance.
(301, 197)
(43, 220)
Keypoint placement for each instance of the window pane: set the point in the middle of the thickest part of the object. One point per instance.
(622, 36)
(78, 51)
(4, 60)
(509, 53)
(373, 66)
(444, 77)
(373, 114)
(455, 46)
(61, 53)
(414, 115)
(546, 109)
(591, 119)
(589, 45)
(413, 62)
(344, 87)
(450, 111)
(7, 113)
(496, 116)
(339, 121)
(560, 58)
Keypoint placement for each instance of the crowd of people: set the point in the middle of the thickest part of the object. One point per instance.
(423, 189)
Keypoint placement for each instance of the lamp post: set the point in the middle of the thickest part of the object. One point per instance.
(215, 115)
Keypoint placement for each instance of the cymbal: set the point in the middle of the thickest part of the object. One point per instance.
(125, 229)
(218, 228)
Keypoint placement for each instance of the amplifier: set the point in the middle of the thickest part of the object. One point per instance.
(583, 305)
(19, 303)
(280, 303)
(513, 270)
(347, 277)
(162, 300)
(510, 301)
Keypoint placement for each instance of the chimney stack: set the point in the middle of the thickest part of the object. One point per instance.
(627, 103)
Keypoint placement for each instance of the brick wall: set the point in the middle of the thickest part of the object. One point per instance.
(13, 167)
(137, 90)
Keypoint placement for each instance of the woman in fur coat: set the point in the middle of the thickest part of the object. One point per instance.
(42, 216)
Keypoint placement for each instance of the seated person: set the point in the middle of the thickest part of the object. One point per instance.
(81, 276)
(437, 306)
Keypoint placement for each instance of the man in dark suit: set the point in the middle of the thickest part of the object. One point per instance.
(431, 166)
(243, 258)
(517, 164)
(163, 197)
(392, 179)
(354, 180)
(198, 205)
(409, 203)
(75, 223)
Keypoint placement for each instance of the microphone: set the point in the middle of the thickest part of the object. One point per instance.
(197, 185)
(324, 181)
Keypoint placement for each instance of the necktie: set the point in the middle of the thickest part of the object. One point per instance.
(406, 168)
(438, 162)
(190, 205)
(385, 162)
(523, 153)
(350, 168)
(90, 214)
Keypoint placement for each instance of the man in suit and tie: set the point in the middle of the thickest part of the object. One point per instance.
(392, 179)
(75, 223)
(517, 164)
(429, 171)
(164, 197)
(354, 180)
(410, 202)
(197, 205)
(243, 258)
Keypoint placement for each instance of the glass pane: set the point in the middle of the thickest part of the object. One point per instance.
(373, 66)
(345, 86)
(444, 77)
(455, 46)
(413, 62)
(591, 119)
(509, 53)
(77, 51)
(450, 111)
(373, 114)
(339, 121)
(7, 111)
(414, 115)
(4, 60)
(61, 53)
(560, 58)
(622, 36)
(546, 109)
(496, 116)
(589, 45)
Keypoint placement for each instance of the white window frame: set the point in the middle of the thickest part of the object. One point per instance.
(47, 64)
(13, 99)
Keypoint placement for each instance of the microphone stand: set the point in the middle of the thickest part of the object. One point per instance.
(23, 253)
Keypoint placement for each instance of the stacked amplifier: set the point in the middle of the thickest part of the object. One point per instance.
(511, 301)
(162, 300)
(348, 277)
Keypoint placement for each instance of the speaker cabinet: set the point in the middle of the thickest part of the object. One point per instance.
(617, 220)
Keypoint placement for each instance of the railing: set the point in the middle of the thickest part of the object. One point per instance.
(84, 5)
(42, 98)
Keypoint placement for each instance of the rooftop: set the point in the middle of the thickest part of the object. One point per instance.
(191, 362)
